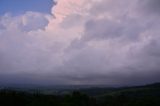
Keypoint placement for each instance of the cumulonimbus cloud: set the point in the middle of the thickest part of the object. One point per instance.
(82, 42)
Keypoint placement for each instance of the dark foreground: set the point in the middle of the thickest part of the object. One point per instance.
(132, 96)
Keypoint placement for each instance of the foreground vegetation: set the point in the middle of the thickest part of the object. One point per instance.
(133, 96)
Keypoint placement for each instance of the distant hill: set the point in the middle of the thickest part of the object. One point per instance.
(97, 91)
(146, 95)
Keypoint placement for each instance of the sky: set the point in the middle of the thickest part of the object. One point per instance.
(17, 7)
(79, 42)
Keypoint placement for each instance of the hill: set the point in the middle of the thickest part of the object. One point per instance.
(146, 95)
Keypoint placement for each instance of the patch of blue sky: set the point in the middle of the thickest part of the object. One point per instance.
(16, 7)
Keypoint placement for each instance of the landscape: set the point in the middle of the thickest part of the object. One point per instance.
(146, 95)
(79, 52)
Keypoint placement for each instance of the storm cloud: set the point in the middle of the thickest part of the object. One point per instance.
(97, 42)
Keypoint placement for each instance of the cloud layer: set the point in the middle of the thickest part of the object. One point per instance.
(83, 42)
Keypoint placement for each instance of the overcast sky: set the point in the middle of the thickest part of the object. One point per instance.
(95, 42)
